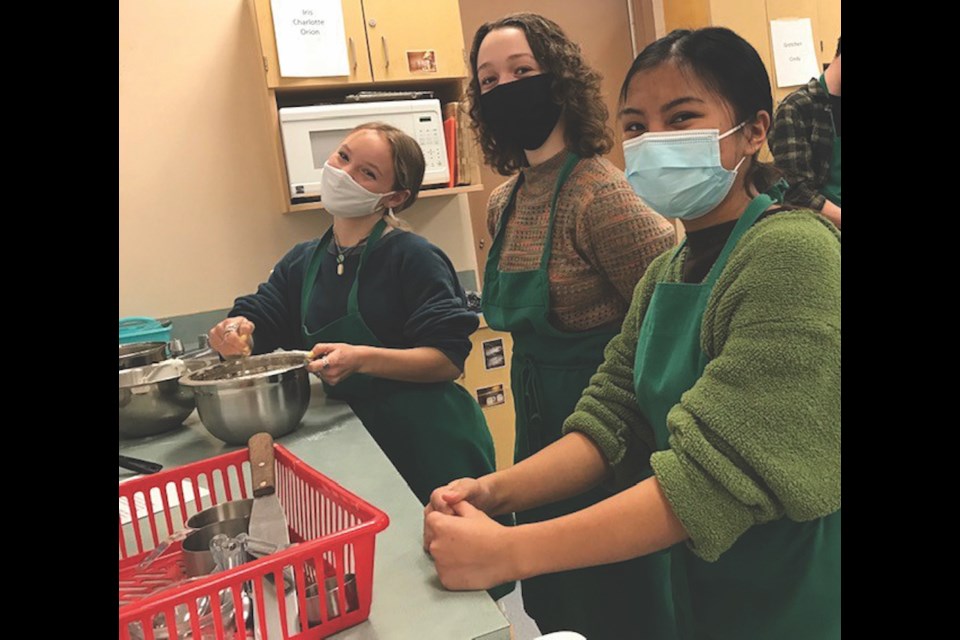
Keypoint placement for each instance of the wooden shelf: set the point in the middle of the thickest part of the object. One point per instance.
(424, 193)
(444, 89)
(449, 191)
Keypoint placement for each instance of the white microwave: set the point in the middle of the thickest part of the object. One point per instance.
(311, 134)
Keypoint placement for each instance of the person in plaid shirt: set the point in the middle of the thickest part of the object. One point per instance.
(805, 142)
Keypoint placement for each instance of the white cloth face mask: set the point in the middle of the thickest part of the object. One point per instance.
(343, 197)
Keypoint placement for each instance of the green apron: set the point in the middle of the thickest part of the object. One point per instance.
(432, 432)
(550, 369)
(779, 580)
(831, 190)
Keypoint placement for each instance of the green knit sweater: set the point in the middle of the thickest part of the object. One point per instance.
(757, 438)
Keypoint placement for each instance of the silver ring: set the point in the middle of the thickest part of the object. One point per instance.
(231, 327)
(323, 362)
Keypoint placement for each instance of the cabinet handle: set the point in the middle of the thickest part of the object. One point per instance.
(353, 52)
(386, 54)
(482, 243)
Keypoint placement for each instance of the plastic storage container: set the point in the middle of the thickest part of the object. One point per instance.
(138, 329)
(334, 530)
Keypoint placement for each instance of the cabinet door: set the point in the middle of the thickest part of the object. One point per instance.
(829, 29)
(357, 56)
(777, 9)
(415, 40)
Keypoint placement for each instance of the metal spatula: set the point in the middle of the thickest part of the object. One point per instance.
(267, 520)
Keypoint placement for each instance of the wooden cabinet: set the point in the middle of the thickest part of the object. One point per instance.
(824, 47)
(829, 18)
(751, 19)
(491, 387)
(379, 35)
(395, 28)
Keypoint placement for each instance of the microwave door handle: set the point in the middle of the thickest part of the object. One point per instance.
(386, 54)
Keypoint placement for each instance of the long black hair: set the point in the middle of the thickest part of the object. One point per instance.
(725, 64)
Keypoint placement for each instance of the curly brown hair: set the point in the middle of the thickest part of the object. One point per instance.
(576, 86)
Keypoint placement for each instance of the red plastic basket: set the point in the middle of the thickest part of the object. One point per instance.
(335, 531)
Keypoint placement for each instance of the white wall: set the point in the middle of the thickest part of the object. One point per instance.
(198, 183)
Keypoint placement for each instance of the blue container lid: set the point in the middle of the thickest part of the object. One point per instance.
(136, 328)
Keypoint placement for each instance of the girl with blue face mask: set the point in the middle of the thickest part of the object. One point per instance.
(724, 381)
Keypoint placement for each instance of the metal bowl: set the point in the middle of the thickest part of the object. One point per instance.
(230, 510)
(152, 400)
(238, 398)
(197, 558)
(141, 354)
(333, 600)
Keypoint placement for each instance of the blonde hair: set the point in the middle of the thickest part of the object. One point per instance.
(408, 165)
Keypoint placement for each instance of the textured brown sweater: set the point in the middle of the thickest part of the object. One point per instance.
(604, 238)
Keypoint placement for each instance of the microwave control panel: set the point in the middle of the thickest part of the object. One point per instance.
(430, 136)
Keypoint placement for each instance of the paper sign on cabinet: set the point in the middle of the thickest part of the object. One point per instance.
(311, 41)
(794, 56)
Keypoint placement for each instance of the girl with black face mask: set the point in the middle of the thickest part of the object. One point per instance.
(571, 240)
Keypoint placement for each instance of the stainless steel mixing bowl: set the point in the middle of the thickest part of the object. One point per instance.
(141, 354)
(238, 398)
(152, 400)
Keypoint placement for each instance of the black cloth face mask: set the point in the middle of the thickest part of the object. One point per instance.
(522, 111)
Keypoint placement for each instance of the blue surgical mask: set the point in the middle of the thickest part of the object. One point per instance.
(679, 173)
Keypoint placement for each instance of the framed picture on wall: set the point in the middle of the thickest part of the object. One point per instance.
(493, 356)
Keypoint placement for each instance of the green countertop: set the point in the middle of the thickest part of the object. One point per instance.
(409, 603)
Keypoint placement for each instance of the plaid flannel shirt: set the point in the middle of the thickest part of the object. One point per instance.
(802, 143)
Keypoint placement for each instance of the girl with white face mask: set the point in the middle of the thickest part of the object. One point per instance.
(724, 382)
(382, 311)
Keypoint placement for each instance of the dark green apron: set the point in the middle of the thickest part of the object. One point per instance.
(780, 580)
(432, 432)
(832, 189)
(550, 369)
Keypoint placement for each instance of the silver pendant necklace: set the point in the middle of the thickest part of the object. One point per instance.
(344, 252)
